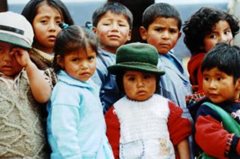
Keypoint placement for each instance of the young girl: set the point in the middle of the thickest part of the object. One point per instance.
(150, 125)
(203, 31)
(45, 17)
(76, 125)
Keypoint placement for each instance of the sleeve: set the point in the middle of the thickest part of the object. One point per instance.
(113, 131)
(179, 127)
(63, 124)
(212, 137)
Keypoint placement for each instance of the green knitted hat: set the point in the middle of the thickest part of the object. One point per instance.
(136, 56)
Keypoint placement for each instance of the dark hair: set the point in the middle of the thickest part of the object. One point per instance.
(159, 10)
(73, 38)
(224, 57)
(113, 7)
(119, 81)
(30, 10)
(201, 23)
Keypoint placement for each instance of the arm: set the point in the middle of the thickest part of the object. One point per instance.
(63, 124)
(113, 131)
(179, 129)
(212, 137)
(40, 87)
(183, 149)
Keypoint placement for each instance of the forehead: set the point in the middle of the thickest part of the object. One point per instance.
(112, 15)
(46, 9)
(168, 22)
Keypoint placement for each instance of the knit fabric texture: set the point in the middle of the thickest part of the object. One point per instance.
(21, 122)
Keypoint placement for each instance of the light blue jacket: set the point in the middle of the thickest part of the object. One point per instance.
(75, 124)
(174, 84)
(109, 92)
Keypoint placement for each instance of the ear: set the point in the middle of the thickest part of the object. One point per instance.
(94, 29)
(129, 35)
(60, 61)
(179, 35)
(143, 33)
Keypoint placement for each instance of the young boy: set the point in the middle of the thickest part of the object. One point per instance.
(23, 88)
(112, 24)
(161, 24)
(221, 85)
(143, 124)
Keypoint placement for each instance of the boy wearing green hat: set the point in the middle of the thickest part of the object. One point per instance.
(24, 89)
(150, 125)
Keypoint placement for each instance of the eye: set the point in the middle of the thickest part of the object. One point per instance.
(91, 58)
(205, 78)
(173, 31)
(75, 59)
(122, 24)
(228, 31)
(212, 36)
(158, 29)
(131, 78)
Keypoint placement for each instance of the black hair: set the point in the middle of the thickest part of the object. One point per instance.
(159, 10)
(30, 10)
(224, 57)
(119, 81)
(73, 38)
(113, 7)
(201, 23)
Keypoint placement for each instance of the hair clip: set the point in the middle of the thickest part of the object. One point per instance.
(88, 25)
(63, 25)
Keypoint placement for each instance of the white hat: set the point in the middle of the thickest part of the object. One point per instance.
(15, 29)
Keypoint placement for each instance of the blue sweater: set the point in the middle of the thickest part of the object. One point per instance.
(75, 124)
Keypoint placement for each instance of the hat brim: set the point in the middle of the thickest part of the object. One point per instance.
(4, 37)
(119, 68)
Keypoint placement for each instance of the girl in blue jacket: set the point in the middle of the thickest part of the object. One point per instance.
(75, 124)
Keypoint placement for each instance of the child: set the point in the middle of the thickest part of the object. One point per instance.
(221, 85)
(24, 89)
(45, 17)
(150, 125)
(204, 30)
(161, 24)
(76, 125)
(112, 24)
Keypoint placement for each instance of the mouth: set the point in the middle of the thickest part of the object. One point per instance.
(113, 37)
(52, 38)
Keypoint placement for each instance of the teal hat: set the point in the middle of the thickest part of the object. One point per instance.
(136, 56)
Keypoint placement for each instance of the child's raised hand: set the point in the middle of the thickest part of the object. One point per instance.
(21, 56)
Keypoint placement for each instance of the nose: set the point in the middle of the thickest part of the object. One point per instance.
(84, 65)
(140, 82)
(165, 34)
(115, 26)
(212, 84)
(53, 25)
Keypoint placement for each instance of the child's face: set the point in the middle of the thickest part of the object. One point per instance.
(221, 32)
(79, 64)
(163, 33)
(112, 31)
(139, 86)
(218, 86)
(8, 63)
(46, 27)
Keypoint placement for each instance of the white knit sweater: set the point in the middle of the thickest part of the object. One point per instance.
(144, 131)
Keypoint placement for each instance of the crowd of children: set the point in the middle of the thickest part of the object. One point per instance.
(69, 92)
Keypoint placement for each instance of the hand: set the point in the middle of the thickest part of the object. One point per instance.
(21, 56)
